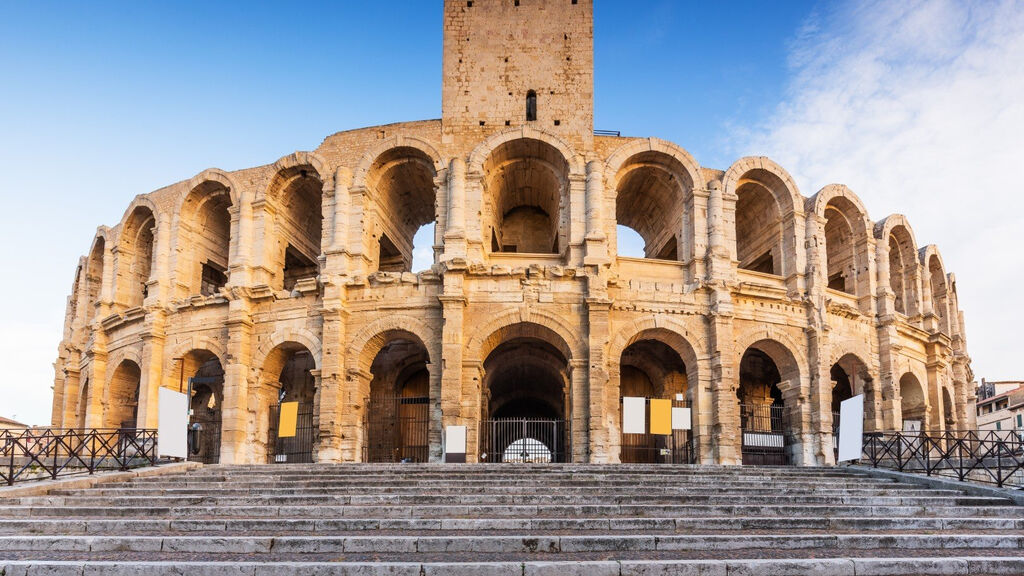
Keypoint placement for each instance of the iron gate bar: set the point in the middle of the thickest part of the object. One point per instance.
(296, 449)
(408, 440)
(763, 435)
(535, 440)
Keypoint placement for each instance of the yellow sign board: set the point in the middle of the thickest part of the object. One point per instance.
(287, 422)
(661, 416)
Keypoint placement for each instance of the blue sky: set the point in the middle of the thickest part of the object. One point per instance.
(99, 103)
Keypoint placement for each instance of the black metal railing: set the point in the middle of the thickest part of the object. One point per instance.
(49, 453)
(987, 456)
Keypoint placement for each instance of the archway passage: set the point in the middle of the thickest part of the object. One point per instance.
(292, 363)
(651, 369)
(135, 257)
(763, 419)
(948, 414)
(297, 192)
(206, 385)
(206, 225)
(526, 387)
(525, 184)
(398, 414)
(650, 199)
(402, 182)
(123, 396)
(759, 224)
(912, 403)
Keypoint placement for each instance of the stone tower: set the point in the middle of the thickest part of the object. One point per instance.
(502, 57)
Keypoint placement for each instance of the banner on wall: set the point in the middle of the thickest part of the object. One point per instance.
(634, 415)
(172, 424)
(289, 420)
(681, 418)
(851, 428)
(661, 417)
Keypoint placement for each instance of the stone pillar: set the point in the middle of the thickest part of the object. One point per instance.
(331, 381)
(452, 390)
(602, 395)
(97, 386)
(234, 441)
(596, 239)
(574, 222)
(158, 286)
(337, 242)
(580, 404)
(152, 370)
(697, 235)
(355, 396)
(455, 230)
(473, 408)
(241, 249)
(264, 260)
(69, 404)
(819, 436)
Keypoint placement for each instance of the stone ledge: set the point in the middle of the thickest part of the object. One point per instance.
(43, 487)
(970, 488)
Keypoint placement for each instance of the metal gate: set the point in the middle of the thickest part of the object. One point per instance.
(524, 440)
(204, 439)
(397, 429)
(657, 448)
(298, 449)
(764, 434)
(835, 436)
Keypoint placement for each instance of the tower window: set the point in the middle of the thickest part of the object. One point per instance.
(531, 106)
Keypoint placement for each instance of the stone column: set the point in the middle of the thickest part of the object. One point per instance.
(452, 390)
(455, 230)
(264, 260)
(152, 369)
(234, 440)
(331, 380)
(241, 260)
(355, 396)
(472, 408)
(596, 239)
(602, 396)
(697, 237)
(818, 345)
(97, 385)
(578, 419)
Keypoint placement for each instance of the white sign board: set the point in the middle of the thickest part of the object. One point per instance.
(455, 440)
(634, 415)
(680, 418)
(172, 426)
(911, 425)
(851, 428)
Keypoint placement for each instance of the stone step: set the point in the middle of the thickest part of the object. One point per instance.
(524, 544)
(517, 511)
(505, 499)
(961, 565)
(286, 526)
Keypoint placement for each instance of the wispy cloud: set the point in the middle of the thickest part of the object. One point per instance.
(919, 107)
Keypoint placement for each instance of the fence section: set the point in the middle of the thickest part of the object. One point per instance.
(524, 440)
(764, 435)
(987, 456)
(50, 453)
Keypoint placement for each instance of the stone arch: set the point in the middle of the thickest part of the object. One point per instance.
(122, 392)
(937, 286)
(366, 343)
(297, 189)
(213, 345)
(402, 182)
(306, 338)
(367, 160)
(771, 401)
(901, 255)
(781, 345)
(205, 233)
(554, 330)
(206, 402)
(690, 347)
(484, 150)
(95, 274)
(212, 175)
(846, 231)
(913, 399)
(656, 179)
(136, 252)
(949, 418)
(767, 209)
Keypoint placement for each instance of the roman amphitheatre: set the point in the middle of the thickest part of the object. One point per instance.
(756, 306)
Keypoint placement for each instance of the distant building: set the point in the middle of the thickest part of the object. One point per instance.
(7, 424)
(1001, 405)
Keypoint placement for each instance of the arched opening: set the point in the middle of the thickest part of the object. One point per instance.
(948, 414)
(650, 199)
(651, 369)
(206, 227)
(398, 414)
(298, 195)
(402, 181)
(902, 277)
(850, 377)
(288, 378)
(840, 246)
(940, 301)
(206, 384)
(135, 257)
(768, 403)
(531, 106)
(758, 225)
(122, 406)
(912, 403)
(94, 280)
(526, 388)
(525, 183)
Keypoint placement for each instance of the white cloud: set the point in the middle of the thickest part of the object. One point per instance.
(919, 108)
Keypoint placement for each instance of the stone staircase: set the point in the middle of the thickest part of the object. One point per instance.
(509, 519)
